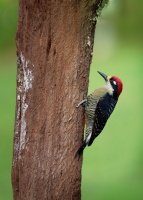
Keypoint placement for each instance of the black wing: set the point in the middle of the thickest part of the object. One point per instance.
(103, 111)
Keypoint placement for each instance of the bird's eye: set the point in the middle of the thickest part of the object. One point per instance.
(114, 82)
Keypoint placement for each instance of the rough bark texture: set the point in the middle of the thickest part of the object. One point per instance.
(54, 46)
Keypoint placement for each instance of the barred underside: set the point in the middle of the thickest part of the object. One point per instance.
(103, 111)
(90, 109)
(89, 115)
(100, 105)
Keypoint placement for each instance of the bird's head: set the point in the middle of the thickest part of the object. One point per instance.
(113, 83)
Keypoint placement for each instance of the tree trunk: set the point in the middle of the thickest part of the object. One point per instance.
(54, 49)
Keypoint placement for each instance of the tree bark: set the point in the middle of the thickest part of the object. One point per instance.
(54, 49)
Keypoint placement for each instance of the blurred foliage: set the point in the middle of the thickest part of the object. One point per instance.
(8, 23)
(130, 17)
(7, 108)
(113, 165)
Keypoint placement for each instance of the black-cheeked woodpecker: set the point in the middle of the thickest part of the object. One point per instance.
(98, 107)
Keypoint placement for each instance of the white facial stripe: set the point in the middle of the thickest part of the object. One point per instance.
(109, 87)
(114, 82)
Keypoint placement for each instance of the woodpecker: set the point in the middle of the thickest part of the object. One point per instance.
(98, 107)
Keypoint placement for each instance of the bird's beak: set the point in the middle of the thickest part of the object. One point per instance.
(104, 76)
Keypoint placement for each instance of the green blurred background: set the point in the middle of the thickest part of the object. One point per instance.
(113, 165)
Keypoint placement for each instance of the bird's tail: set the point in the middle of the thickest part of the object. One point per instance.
(80, 150)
